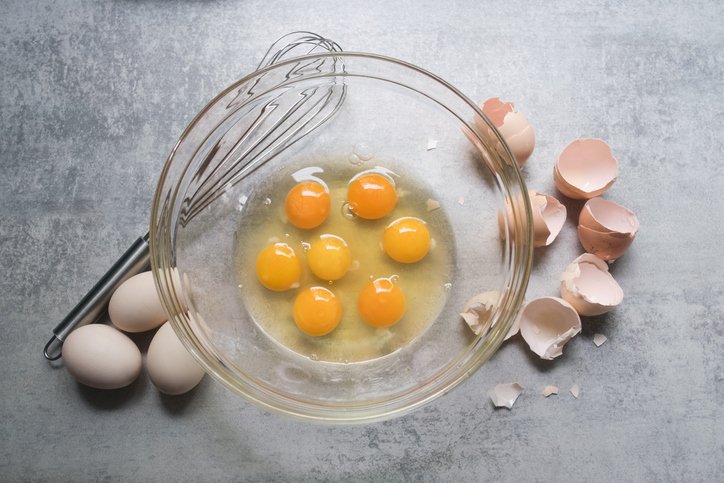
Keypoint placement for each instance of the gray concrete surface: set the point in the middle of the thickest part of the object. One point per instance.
(94, 94)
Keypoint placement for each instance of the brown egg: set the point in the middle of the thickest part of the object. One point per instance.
(606, 229)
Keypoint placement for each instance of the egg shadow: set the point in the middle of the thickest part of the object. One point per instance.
(573, 207)
(176, 405)
(539, 255)
(542, 365)
(110, 399)
(142, 339)
(595, 324)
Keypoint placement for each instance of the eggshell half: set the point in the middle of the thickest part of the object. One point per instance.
(513, 127)
(547, 324)
(605, 215)
(588, 287)
(585, 169)
(606, 229)
(171, 368)
(102, 357)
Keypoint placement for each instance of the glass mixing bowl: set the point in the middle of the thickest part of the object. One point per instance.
(354, 111)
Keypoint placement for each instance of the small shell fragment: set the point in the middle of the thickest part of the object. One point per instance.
(576, 391)
(432, 205)
(588, 287)
(585, 169)
(549, 390)
(431, 144)
(478, 310)
(606, 229)
(513, 127)
(461, 200)
(599, 339)
(547, 324)
(505, 395)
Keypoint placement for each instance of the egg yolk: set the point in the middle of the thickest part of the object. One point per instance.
(381, 303)
(329, 257)
(371, 196)
(406, 240)
(317, 311)
(278, 268)
(307, 205)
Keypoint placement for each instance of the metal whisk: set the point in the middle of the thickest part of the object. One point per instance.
(273, 131)
(278, 125)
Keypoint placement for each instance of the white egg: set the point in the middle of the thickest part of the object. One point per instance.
(135, 306)
(102, 357)
(172, 369)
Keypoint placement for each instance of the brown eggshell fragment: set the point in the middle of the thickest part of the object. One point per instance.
(606, 229)
(513, 127)
(505, 395)
(547, 324)
(588, 287)
(478, 311)
(586, 168)
(549, 216)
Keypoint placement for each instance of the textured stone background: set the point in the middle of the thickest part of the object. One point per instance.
(94, 95)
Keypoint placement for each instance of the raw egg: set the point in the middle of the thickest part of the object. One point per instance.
(406, 240)
(381, 303)
(317, 311)
(329, 257)
(307, 205)
(278, 268)
(371, 196)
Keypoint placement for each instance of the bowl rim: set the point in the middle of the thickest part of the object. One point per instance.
(164, 277)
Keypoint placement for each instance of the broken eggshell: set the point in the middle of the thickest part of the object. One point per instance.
(478, 310)
(606, 229)
(547, 324)
(549, 216)
(588, 287)
(513, 127)
(585, 169)
(505, 395)
(549, 390)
